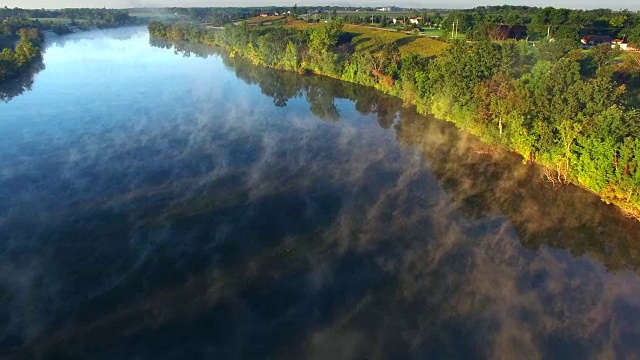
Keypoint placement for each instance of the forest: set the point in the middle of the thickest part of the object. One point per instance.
(39, 18)
(12, 62)
(221, 16)
(572, 111)
(489, 22)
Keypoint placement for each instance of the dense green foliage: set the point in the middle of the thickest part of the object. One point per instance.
(495, 22)
(557, 107)
(11, 25)
(220, 16)
(61, 21)
(575, 122)
(26, 51)
(42, 19)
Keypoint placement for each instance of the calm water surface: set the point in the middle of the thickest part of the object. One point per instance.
(165, 202)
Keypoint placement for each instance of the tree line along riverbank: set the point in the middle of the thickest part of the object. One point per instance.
(570, 111)
(27, 50)
(573, 112)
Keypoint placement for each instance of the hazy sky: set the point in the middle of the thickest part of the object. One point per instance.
(614, 4)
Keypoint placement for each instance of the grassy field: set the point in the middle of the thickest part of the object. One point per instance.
(303, 24)
(366, 14)
(447, 36)
(55, 20)
(157, 16)
(366, 38)
(264, 20)
(389, 14)
(431, 32)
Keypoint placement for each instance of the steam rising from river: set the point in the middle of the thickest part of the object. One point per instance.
(191, 216)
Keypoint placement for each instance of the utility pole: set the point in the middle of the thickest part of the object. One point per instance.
(548, 32)
(453, 29)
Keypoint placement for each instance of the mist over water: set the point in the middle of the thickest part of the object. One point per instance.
(160, 201)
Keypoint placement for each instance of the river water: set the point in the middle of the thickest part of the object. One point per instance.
(167, 202)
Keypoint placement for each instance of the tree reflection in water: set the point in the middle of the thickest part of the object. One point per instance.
(21, 83)
(483, 181)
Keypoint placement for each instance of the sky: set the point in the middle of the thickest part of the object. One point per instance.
(584, 4)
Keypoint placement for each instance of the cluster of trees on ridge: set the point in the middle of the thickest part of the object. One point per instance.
(45, 19)
(485, 22)
(537, 23)
(566, 109)
(26, 51)
(523, 22)
(58, 21)
(225, 15)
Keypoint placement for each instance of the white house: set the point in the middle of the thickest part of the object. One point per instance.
(622, 45)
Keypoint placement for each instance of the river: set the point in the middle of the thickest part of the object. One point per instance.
(162, 201)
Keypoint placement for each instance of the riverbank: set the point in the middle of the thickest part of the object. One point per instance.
(17, 60)
(553, 106)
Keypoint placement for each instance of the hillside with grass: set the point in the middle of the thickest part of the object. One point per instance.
(366, 39)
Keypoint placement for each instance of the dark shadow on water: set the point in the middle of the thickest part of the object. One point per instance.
(488, 182)
(19, 84)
